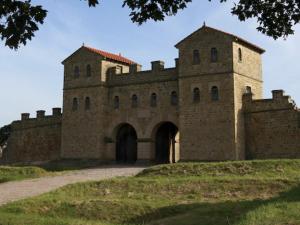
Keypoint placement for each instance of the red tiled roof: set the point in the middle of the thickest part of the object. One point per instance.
(239, 39)
(111, 56)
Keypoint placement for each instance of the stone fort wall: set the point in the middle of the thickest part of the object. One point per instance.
(272, 127)
(35, 139)
(233, 126)
(143, 117)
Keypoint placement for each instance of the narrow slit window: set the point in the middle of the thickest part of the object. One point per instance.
(75, 104)
(214, 93)
(76, 72)
(214, 55)
(88, 71)
(196, 95)
(174, 98)
(196, 57)
(116, 102)
(153, 100)
(134, 101)
(240, 55)
(87, 103)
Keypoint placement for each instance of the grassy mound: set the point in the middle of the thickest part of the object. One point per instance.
(255, 169)
(9, 173)
(230, 193)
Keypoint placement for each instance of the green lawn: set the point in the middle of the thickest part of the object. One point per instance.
(230, 193)
(11, 173)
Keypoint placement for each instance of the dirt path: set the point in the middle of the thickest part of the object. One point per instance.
(16, 190)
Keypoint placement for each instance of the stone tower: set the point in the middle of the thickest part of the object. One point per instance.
(85, 101)
(220, 67)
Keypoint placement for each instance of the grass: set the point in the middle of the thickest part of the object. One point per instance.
(21, 172)
(229, 193)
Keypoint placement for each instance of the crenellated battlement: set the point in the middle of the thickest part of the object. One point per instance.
(41, 119)
(279, 101)
(158, 73)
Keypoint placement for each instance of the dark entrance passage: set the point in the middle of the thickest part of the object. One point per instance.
(166, 147)
(126, 146)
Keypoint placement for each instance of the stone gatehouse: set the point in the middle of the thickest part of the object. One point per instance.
(208, 107)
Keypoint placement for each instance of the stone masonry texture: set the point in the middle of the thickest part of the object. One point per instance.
(228, 120)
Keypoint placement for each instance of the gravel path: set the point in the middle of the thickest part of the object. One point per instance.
(16, 190)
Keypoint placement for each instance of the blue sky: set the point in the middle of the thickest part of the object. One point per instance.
(31, 78)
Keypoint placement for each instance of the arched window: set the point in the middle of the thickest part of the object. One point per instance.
(196, 95)
(240, 55)
(153, 100)
(88, 71)
(116, 102)
(174, 98)
(75, 104)
(87, 103)
(76, 72)
(134, 101)
(214, 93)
(196, 57)
(214, 55)
(248, 90)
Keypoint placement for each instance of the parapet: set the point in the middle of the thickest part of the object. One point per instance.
(158, 73)
(56, 112)
(279, 101)
(158, 65)
(41, 114)
(39, 121)
(25, 116)
(134, 68)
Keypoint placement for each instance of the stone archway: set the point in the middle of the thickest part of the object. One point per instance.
(167, 143)
(126, 144)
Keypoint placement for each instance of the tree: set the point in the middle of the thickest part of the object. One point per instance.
(4, 135)
(19, 20)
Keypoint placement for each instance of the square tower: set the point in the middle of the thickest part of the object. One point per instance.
(85, 101)
(215, 69)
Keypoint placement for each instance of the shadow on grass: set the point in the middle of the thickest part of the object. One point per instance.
(224, 213)
(77, 164)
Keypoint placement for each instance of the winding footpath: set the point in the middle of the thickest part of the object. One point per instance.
(17, 190)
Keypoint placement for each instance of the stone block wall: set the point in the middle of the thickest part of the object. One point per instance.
(144, 118)
(35, 139)
(272, 127)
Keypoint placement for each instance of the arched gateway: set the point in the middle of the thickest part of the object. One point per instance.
(167, 143)
(126, 144)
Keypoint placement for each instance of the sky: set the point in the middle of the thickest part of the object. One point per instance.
(31, 78)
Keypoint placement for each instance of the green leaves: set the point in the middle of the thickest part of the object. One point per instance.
(143, 10)
(4, 135)
(276, 18)
(18, 21)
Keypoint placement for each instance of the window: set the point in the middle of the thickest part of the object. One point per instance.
(76, 72)
(214, 55)
(119, 69)
(214, 93)
(134, 101)
(116, 102)
(153, 100)
(240, 55)
(75, 104)
(196, 95)
(88, 71)
(174, 98)
(248, 90)
(196, 57)
(87, 103)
